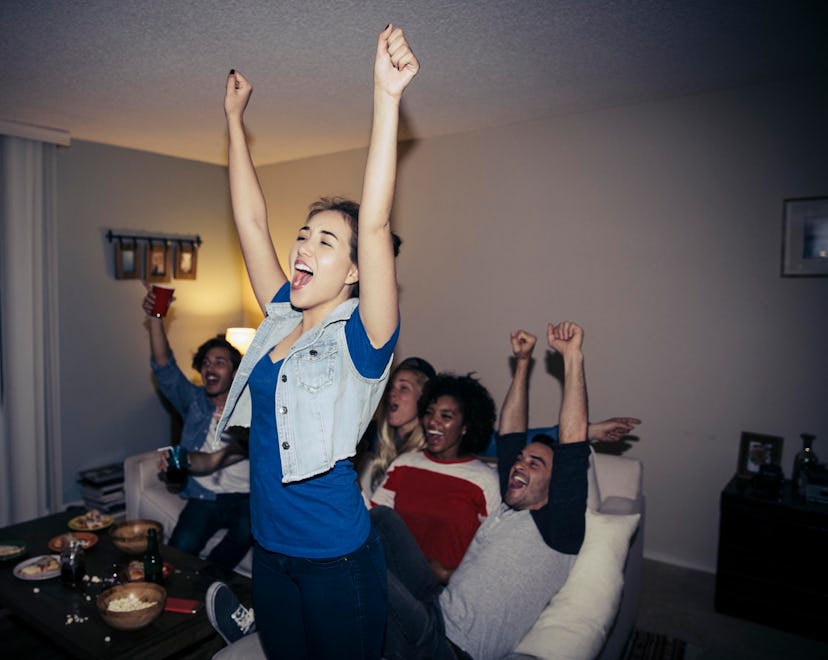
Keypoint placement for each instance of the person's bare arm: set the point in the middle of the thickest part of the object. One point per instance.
(394, 67)
(249, 208)
(567, 338)
(612, 429)
(514, 414)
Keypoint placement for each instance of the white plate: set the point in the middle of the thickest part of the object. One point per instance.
(46, 575)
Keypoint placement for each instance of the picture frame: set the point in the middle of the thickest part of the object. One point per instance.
(127, 260)
(757, 449)
(186, 258)
(805, 237)
(157, 262)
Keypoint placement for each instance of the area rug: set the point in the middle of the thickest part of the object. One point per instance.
(644, 645)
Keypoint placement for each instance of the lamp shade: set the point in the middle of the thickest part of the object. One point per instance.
(240, 337)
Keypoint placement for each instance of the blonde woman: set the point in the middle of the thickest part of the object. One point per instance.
(396, 428)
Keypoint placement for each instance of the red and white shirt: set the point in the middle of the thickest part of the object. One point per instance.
(441, 502)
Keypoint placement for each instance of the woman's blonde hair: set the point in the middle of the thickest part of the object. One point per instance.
(386, 448)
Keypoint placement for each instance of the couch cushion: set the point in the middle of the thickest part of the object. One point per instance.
(575, 623)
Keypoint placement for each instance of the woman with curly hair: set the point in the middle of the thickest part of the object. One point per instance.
(444, 492)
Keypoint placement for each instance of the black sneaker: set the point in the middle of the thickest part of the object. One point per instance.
(229, 617)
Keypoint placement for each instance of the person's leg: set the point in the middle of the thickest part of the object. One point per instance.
(278, 606)
(403, 555)
(234, 515)
(414, 628)
(196, 524)
(344, 602)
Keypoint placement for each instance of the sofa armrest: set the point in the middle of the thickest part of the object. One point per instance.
(140, 474)
(618, 476)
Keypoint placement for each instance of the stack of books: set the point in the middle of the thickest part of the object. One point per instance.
(103, 488)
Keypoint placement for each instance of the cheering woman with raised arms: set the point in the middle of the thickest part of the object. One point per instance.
(310, 382)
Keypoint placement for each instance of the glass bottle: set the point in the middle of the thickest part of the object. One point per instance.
(803, 461)
(153, 565)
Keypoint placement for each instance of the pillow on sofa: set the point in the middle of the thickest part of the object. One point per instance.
(575, 623)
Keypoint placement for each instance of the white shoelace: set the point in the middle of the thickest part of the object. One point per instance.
(243, 618)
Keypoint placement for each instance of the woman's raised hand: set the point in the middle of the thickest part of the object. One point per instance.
(237, 94)
(395, 65)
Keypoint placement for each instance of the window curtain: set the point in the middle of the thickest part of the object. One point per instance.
(30, 462)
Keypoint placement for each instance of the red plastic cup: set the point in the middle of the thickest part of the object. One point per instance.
(163, 298)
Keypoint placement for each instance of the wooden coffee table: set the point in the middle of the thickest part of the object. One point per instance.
(68, 617)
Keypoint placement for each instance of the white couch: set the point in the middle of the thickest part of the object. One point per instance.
(591, 617)
(148, 497)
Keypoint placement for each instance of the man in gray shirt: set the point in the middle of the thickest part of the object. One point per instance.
(522, 553)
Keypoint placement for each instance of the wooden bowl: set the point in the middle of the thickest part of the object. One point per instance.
(131, 536)
(137, 593)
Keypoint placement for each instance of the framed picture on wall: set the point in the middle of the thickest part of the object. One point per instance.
(127, 260)
(185, 261)
(757, 450)
(805, 237)
(157, 262)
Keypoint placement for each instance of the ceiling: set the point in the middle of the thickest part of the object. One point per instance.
(149, 75)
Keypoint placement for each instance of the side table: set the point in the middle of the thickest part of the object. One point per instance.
(773, 559)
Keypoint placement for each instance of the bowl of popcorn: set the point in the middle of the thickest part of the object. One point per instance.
(132, 606)
(130, 536)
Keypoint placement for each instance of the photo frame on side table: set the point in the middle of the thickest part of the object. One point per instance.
(186, 256)
(157, 260)
(805, 237)
(756, 450)
(127, 260)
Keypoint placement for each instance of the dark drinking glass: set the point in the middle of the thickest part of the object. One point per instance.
(177, 466)
(72, 562)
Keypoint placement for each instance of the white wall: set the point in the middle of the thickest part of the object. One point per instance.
(658, 227)
(109, 406)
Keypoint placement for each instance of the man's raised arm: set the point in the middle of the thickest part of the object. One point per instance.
(514, 414)
(567, 339)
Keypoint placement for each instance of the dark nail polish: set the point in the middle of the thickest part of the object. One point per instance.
(232, 71)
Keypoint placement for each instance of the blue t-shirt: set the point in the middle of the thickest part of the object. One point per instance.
(323, 516)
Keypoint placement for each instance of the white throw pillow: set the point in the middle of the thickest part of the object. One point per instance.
(574, 625)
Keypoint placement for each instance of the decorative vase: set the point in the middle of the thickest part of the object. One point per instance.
(803, 461)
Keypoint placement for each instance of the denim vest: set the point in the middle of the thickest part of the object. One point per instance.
(323, 405)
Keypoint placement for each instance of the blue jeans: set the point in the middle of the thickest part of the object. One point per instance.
(414, 628)
(200, 519)
(321, 608)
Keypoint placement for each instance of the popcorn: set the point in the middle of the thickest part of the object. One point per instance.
(75, 618)
(129, 604)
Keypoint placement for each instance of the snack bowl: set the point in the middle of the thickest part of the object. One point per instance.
(131, 606)
(131, 535)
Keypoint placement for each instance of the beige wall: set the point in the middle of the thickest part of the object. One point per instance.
(656, 226)
(109, 406)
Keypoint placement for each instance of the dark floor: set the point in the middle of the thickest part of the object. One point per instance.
(678, 602)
